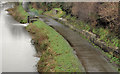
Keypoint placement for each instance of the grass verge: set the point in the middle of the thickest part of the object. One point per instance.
(57, 55)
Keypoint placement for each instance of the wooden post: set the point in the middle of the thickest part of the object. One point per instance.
(28, 19)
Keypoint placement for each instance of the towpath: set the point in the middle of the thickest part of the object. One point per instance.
(91, 59)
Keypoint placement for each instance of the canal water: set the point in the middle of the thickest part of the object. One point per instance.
(17, 50)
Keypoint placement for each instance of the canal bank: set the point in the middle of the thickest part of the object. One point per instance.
(79, 44)
(54, 56)
(56, 53)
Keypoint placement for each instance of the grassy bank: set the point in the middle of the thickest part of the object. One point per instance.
(57, 55)
(18, 13)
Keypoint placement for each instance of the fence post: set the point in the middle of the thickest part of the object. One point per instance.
(28, 19)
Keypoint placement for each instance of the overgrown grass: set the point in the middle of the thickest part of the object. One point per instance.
(58, 56)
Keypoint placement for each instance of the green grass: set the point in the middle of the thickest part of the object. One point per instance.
(62, 53)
